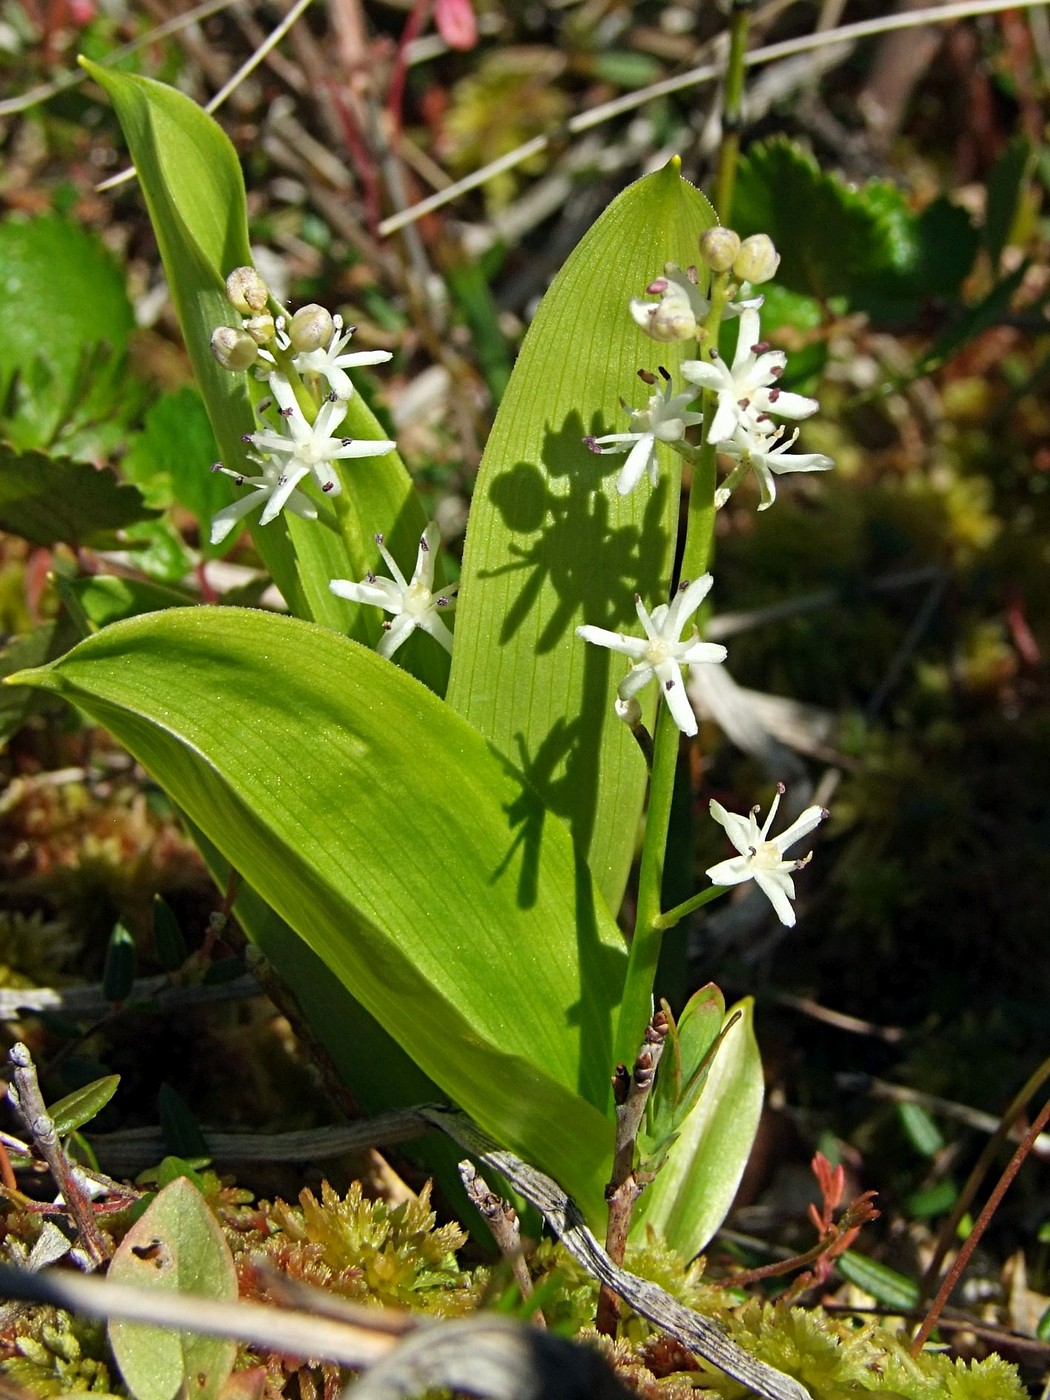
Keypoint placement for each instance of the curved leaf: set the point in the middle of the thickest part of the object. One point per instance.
(695, 1187)
(551, 543)
(194, 191)
(397, 843)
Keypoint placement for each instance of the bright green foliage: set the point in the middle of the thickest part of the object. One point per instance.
(836, 1360)
(59, 1355)
(694, 1189)
(83, 1104)
(409, 855)
(175, 1246)
(371, 1252)
(551, 544)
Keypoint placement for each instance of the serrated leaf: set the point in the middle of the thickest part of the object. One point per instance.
(165, 459)
(550, 542)
(49, 500)
(83, 1104)
(694, 1189)
(105, 598)
(175, 1246)
(405, 851)
(831, 237)
(191, 178)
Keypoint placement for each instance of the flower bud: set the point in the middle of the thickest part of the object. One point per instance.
(246, 291)
(261, 328)
(757, 260)
(234, 349)
(719, 248)
(312, 328)
(630, 711)
(671, 318)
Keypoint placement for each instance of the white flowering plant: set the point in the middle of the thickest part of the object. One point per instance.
(430, 791)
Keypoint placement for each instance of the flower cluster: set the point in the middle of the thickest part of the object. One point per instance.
(742, 402)
(306, 361)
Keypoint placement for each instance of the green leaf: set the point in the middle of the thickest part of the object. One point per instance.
(36, 648)
(1005, 187)
(68, 291)
(49, 500)
(191, 178)
(106, 598)
(165, 459)
(82, 1105)
(550, 542)
(694, 1189)
(406, 852)
(831, 237)
(885, 1285)
(175, 1246)
(922, 1132)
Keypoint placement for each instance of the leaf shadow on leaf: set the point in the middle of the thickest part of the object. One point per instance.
(562, 534)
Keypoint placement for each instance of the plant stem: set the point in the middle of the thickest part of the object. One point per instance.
(732, 102)
(637, 1005)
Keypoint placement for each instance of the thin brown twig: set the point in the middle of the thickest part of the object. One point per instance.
(24, 1093)
(502, 1219)
(981, 1224)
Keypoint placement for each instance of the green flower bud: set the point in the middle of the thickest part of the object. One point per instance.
(312, 328)
(261, 328)
(757, 260)
(234, 349)
(719, 248)
(246, 291)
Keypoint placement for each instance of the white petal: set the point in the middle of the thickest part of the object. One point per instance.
(678, 701)
(224, 520)
(615, 641)
(786, 405)
(362, 447)
(740, 830)
(703, 374)
(799, 462)
(378, 594)
(433, 624)
(780, 891)
(726, 418)
(289, 481)
(704, 654)
(810, 819)
(396, 634)
(733, 871)
(640, 456)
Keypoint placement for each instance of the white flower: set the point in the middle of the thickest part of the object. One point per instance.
(267, 485)
(660, 655)
(333, 361)
(413, 604)
(763, 448)
(681, 310)
(662, 420)
(308, 447)
(747, 388)
(761, 859)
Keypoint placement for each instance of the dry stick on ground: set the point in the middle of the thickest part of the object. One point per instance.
(631, 1093)
(24, 1093)
(502, 1219)
(694, 1331)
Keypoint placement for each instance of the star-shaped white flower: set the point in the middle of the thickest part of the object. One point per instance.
(765, 449)
(332, 361)
(664, 419)
(267, 485)
(762, 859)
(747, 388)
(413, 604)
(660, 655)
(308, 447)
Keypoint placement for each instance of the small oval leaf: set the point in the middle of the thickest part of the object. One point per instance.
(177, 1246)
(83, 1104)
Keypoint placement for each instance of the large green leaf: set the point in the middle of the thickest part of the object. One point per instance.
(551, 544)
(695, 1187)
(194, 190)
(403, 849)
(50, 499)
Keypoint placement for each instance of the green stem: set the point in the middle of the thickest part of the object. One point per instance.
(732, 103)
(636, 1007)
(678, 913)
